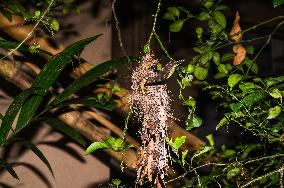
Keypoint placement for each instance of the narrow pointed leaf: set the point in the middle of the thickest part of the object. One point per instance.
(13, 110)
(9, 168)
(89, 77)
(23, 47)
(95, 146)
(47, 77)
(66, 129)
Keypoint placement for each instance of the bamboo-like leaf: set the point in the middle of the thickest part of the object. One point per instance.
(88, 102)
(47, 77)
(13, 110)
(62, 127)
(36, 151)
(9, 168)
(89, 77)
(7, 44)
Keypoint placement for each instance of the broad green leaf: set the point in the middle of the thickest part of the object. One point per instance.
(233, 172)
(193, 122)
(210, 139)
(235, 107)
(250, 49)
(54, 25)
(274, 112)
(200, 72)
(206, 57)
(228, 153)
(207, 3)
(203, 16)
(252, 98)
(115, 89)
(183, 155)
(177, 143)
(9, 168)
(245, 87)
(95, 146)
(233, 80)
(24, 48)
(275, 93)
(47, 77)
(176, 26)
(222, 68)
(214, 27)
(169, 16)
(89, 77)
(227, 57)
(249, 149)
(174, 11)
(216, 58)
(13, 110)
(220, 75)
(222, 122)
(190, 68)
(64, 128)
(277, 3)
(220, 18)
(36, 151)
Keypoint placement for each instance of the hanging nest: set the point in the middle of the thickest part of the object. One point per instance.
(151, 106)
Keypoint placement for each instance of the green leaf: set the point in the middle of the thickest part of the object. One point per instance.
(24, 48)
(210, 139)
(116, 182)
(202, 151)
(275, 93)
(169, 16)
(176, 26)
(252, 98)
(233, 172)
(9, 168)
(203, 16)
(222, 68)
(36, 151)
(247, 86)
(177, 143)
(222, 122)
(250, 49)
(199, 31)
(47, 77)
(200, 72)
(214, 27)
(274, 112)
(174, 11)
(190, 68)
(233, 80)
(64, 128)
(220, 18)
(220, 75)
(227, 57)
(88, 102)
(89, 77)
(206, 57)
(95, 146)
(183, 155)
(207, 3)
(235, 107)
(13, 110)
(216, 58)
(7, 14)
(228, 153)
(16, 7)
(221, 7)
(193, 122)
(1, 116)
(54, 25)
(276, 3)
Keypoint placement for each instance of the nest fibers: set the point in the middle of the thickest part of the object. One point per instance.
(151, 106)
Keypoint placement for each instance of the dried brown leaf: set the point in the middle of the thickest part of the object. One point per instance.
(236, 28)
(240, 54)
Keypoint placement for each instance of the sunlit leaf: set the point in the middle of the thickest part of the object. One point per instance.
(274, 112)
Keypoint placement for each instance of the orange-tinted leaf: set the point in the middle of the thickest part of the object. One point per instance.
(240, 54)
(236, 28)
